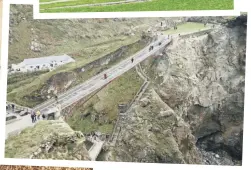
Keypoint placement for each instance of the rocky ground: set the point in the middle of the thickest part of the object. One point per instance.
(193, 111)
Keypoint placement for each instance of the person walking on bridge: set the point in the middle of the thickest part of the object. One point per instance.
(56, 98)
(13, 107)
(132, 60)
(105, 76)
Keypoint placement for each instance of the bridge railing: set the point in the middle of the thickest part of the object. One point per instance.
(18, 107)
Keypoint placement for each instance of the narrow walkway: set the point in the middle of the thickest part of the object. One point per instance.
(95, 150)
(56, 1)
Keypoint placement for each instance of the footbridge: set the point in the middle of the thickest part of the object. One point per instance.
(80, 91)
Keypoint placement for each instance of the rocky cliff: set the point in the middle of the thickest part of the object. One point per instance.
(193, 110)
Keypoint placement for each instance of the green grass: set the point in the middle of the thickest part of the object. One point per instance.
(29, 140)
(74, 2)
(121, 90)
(155, 5)
(187, 28)
(19, 91)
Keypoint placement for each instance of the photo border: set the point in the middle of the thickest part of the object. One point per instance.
(120, 165)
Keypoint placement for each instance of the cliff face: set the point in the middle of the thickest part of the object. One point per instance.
(48, 140)
(195, 104)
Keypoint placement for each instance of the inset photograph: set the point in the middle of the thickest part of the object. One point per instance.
(153, 90)
(22, 167)
(54, 6)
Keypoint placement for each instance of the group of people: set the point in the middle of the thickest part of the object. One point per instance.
(36, 116)
(11, 106)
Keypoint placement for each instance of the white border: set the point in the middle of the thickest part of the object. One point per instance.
(115, 165)
(3, 78)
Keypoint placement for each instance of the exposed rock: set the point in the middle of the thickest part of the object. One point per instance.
(146, 139)
(58, 83)
(166, 113)
(197, 98)
(144, 102)
(35, 46)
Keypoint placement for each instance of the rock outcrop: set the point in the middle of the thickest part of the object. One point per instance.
(52, 139)
(193, 112)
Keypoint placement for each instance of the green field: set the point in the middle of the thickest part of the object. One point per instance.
(187, 28)
(154, 5)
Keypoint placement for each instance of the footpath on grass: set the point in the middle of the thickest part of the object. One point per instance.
(133, 5)
(77, 4)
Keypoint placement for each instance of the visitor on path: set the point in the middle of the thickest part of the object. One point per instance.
(43, 116)
(13, 107)
(132, 60)
(105, 76)
(56, 97)
(32, 117)
(38, 115)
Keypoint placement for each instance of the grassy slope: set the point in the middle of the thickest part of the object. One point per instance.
(121, 90)
(18, 90)
(95, 37)
(156, 5)
(28, 141)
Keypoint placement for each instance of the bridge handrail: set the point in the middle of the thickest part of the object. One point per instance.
(18, 106)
